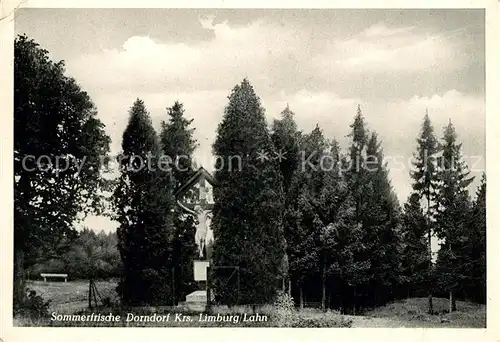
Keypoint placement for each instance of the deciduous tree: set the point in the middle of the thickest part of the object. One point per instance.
(59, 144)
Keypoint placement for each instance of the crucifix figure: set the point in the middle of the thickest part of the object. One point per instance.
(204, 234)
(200, 207)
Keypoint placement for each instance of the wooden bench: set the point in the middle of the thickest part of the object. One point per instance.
(54, 275)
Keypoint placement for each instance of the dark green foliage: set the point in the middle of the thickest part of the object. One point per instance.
(32, 306)
(377, 211)
(382, 226)
(177, 142)
(286, 139)
(424, 174)
(248, 207)
(425, 184)
(474, 269)
(360, 189)
(303, 216)
(55, 118)
(415, 257)
(341, 239)
(452, 219)
(144, 213)
(90, 255)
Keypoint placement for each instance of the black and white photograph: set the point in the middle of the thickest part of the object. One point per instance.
(249, 167)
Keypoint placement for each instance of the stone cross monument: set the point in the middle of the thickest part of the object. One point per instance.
(196, 199)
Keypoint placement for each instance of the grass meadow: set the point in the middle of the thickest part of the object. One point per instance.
(72, 297)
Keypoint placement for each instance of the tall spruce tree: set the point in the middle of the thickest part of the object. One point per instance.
(286, 138)
(452, 217)
(303, 217)
(247, 215)
(474, 286)
(341, 235)
(424, 183)
(144, 214)
(381, 224)
(177, 142)
(356, 177)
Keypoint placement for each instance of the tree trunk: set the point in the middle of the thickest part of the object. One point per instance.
(19, 280)
(323, 286)
(453, 302)
(301, 297)
(290, 287)
(173, 286)
(354, 303)
(90, 293)
(431, 309)
(453, 305)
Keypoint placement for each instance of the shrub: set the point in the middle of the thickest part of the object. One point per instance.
(284, 314)
(32, 306)
(283, 311)
(322, 322)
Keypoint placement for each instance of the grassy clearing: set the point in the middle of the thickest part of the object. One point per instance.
(72, 297)
(412, 313)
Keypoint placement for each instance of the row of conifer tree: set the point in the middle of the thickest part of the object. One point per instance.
(328, 228)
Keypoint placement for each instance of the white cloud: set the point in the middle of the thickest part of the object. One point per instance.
(381, 29)
(265, 52)
(380, 48)
(233, 53)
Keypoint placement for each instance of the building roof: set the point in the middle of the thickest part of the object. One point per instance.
(199, 175)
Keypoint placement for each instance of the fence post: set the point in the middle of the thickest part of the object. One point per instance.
(173, 286)
(90, 293)
(238, 296)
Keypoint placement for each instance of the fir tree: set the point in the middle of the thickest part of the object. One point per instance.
(286, 140)
(381, 225)
(341, 235)
(424, 183)
(144, 214)
(303, 217)
(178, 144)
(475, 248)
(452, 217)
(247, 215)
(356, 177)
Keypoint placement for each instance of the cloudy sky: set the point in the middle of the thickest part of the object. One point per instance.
(323, 63)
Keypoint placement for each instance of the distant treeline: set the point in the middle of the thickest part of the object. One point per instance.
(89, 255)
